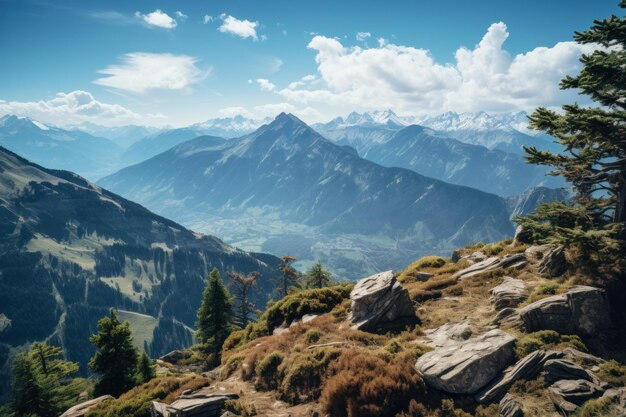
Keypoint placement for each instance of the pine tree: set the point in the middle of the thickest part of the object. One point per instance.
(290, 276)
(116, 357)
(145, 369)
(317, 276)
(242, 286)
(214, 315)
(594, 157)
(42, 382)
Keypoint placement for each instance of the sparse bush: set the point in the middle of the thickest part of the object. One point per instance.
(427, 262)
(240, 408)
(613, 372)
(303, 377)
(547, 339)
(313, 336)
(602, 407)
(394, 347)
(361, 384)
(492, 249)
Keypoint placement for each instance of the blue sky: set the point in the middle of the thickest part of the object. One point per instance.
(179, 62)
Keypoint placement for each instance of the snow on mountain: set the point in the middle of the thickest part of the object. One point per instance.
(237, 125)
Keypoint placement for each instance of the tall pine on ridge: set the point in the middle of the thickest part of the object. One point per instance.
(214, 316)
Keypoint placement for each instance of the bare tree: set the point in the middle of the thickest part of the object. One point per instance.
(242, 286)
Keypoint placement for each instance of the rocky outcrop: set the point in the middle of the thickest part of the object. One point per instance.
(379, 299)
(583, 310)
(618, 397)
(81, 409)
(567, 395)
(199, 404)
(554, 263)
(510, 407)
(528, 367)
(175, 356)
(448, 334)
(558, 369)
(465, 367)
(517, 260)
(510, 293)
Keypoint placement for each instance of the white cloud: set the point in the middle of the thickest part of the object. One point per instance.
(182, 16)
(158, 18)
(361, 36)
(265, 85)
(235, 111)
(207, 19)
(74, 108)
(141, 72)
(411, 81)
(271, 110)
(242, 28)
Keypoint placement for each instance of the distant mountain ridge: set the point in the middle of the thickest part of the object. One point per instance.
(288, 172)
(69, 250)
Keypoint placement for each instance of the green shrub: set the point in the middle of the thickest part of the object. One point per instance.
(602, 407)
(394, 347)
(268, 375)
(543, 290)
(613, 372)
(240, 408)
(409, 274)
(547, 339)
(492, 249)
(303, 377)
(313, 336)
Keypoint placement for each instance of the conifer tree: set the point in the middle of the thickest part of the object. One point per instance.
(289, 277)
(594, 157)
(242, 286)
(214, 315)
(42, 382)
(317, 276)
(145, 369)
(116, 357)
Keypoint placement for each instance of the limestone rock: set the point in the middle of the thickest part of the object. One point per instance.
(81, 409)
(553, 263)
(538, 252)
(517, 260)
(465, 367)
(526, 368)
(510, 293)
(379, 299)
(449, 333)
(567, 395)
(198, 404)
(583, 310)
(175, 356)
(558, 369)
(618, 396)
(510, 407)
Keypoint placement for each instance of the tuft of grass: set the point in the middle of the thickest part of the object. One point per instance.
(602, 407)
(613, 372)
(547, 339)
(547, 289)
(268, 374)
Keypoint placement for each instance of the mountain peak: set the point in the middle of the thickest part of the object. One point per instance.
(287, 120)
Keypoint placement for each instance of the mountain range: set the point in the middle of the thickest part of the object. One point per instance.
(285, 188)
(71, 249)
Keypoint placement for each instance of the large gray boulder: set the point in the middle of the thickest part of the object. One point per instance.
(559, 369)
(510, 293)
(517, 261)
(528, 367)
(465, 367)
(379, 299)
(583, 310)
(81, 409)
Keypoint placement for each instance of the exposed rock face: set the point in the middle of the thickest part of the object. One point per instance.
(465, 367)
(199, 404)
(618, 395)
(448, 334)
(379, 299)
(510, 293)
(558, 369)
(81, 409)
(517, 260)
(553, 263)
(175, 356)
(526, 368)
(583, 310)
(567, 395)
(510, 407)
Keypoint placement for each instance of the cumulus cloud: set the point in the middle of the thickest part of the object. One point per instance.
(410, 80)
(242, 28)
(140, 72)
(159, 19)
(207, 19)
(75, 108)
(361, 36)
(266, 85)
(182, 16)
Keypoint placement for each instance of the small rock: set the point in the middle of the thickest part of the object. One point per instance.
(448, 334)
(81, 409)
(567, 395)
(510, 407)
(554, 263)
(517, 260)
(379, 299)
(423, 276)
(558, 369)
(510, 293)
(465, 367)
